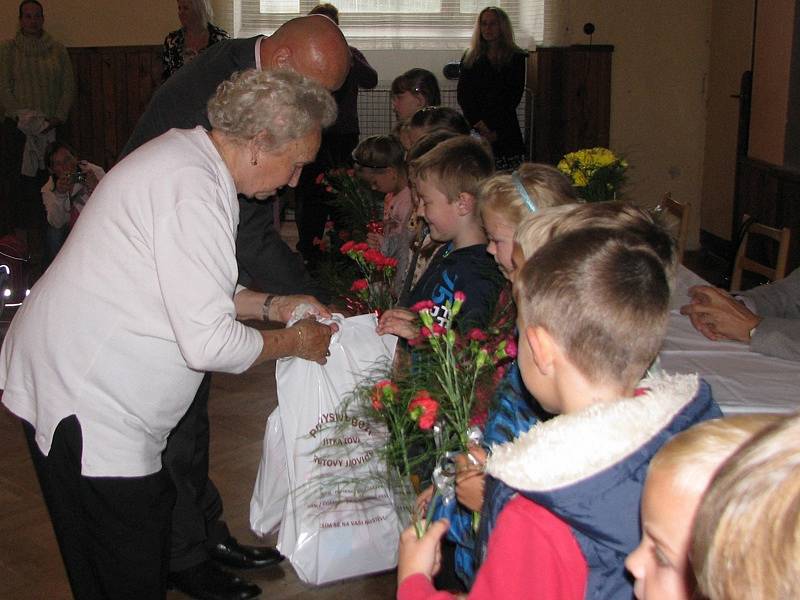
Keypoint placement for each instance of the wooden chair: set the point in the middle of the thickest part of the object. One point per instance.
(744, 263)
(681, 212)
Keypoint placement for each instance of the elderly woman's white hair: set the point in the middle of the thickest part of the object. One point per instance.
(203, 10)
(281, 105)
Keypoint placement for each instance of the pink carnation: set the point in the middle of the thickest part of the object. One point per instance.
(511, 348)
(320, 178)
(459, 296)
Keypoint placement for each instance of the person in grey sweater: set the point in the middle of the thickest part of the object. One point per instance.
(766, 317)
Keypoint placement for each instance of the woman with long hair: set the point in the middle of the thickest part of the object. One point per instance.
(490, 86)
(195, 35)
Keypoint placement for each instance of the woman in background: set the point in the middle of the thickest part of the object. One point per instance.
(195, 35)
(490, 86)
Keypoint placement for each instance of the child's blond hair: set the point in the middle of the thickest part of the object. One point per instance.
(458, 165)
(534, 186)
(694, 455)
(543, 225)
(746, 538)
(603, 294)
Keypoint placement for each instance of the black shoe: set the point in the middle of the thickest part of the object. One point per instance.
(207, 581)
(238, 556)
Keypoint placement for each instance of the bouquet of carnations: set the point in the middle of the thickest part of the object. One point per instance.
(372, 291)
(432, 406)
(596, 173)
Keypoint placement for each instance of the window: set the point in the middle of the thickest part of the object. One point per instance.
(399, 24)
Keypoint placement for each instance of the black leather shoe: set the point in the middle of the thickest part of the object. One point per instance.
(239, 556)
(207, 581)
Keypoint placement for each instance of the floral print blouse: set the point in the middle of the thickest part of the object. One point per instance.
(176, 54)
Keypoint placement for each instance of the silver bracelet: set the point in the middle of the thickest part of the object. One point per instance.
(266, 306)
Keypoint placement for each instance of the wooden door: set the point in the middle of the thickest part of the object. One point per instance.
(731, 44)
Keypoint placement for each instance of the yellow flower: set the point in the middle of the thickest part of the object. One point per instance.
(579, 179)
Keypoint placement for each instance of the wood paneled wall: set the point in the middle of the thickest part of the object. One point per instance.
(114, 85)
(572, 99)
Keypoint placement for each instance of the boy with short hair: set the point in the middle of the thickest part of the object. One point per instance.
(562, 500)
(446, 180)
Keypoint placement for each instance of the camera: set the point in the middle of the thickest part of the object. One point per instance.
(77, 176)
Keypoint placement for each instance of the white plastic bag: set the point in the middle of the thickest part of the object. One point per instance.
(272, 483)
(338, 520)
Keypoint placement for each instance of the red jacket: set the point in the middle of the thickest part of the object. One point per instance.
(531, 554)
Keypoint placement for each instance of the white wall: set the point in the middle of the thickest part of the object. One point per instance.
(659, 73)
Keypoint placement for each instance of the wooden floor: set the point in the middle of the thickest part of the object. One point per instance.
(30, 564)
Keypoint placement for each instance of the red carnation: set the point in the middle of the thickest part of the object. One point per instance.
(423, 409)
(422, 305)
(320, 178)
(373, 256)
(375, 226)
(347, 246)
(459, 296)
(477, 335)
(358, 285)
(383, 391)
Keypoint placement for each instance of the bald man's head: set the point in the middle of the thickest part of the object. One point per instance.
(313, 46)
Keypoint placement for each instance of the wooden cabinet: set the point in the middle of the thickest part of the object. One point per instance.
(571, 99)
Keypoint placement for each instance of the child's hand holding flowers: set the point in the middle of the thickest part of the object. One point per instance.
(400, 322)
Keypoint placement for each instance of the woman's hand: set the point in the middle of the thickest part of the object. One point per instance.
(421, 555)
(313, 339)
(719, 316)
(470, 479)
(400, 322)
(282, 307)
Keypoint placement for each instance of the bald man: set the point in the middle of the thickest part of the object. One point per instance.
(315, 47)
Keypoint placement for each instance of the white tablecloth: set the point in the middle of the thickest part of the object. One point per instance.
(741, 380)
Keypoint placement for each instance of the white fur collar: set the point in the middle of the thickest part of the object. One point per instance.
(569, 448)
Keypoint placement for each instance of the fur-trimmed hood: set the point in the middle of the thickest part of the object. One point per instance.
(588, 468)
(569, 448)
